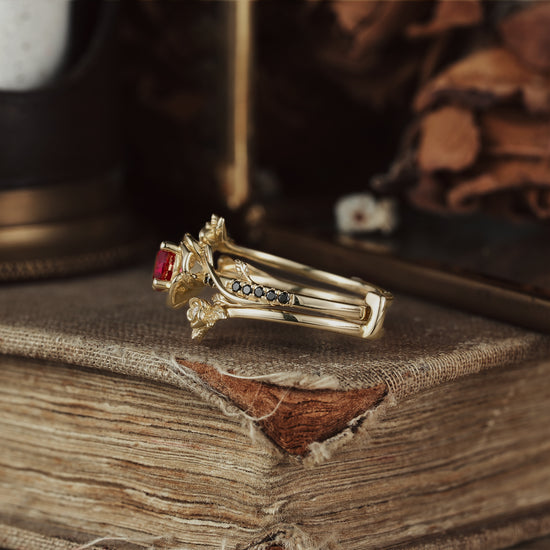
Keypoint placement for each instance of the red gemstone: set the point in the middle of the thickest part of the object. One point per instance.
(164, 265)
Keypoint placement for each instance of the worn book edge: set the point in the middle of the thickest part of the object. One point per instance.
(294, 418)
(494, 461)
(503, 532)
(115, 323)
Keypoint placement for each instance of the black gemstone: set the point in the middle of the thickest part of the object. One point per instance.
(284, 298)
(271, 295)
(208, 280)
(258, 292)
(247, 289)
(236, 286)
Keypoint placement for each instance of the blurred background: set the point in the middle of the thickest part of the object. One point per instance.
(414, 136)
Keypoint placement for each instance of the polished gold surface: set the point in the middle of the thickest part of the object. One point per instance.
(256, 285)
(525, 302)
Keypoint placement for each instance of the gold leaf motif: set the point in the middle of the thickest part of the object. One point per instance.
(243, 271)
(185, 286)
(203, 316)
(214, 232)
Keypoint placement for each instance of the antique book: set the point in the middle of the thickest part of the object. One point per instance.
(118, 431)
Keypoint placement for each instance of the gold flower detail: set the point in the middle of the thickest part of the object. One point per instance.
(203, 316)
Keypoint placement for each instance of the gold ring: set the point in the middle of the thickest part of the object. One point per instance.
(243, 287)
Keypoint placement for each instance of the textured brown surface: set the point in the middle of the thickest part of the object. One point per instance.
(502, 533)
(480, 140)
(507, 132)
(292, 417)
(466, 193)
(23, 539)
(80, 263)
(449, 14)
(139, 459)
(87, 454)
(537, 544)
(449, 140)
(498, 177)
(116, 322)
(526, 34)
(487, 77)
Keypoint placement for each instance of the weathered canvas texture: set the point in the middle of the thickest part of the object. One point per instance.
(116, 322)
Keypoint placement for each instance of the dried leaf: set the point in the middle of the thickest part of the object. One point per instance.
(363, 48)
(499, 176)
(527, 34)
(449, 140)
(448, 14)
(485, 78)
(371, 23)
(352, 14)
(510, 188)
(512, 133)
(243, 271)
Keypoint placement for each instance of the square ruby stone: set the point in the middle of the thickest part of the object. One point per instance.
(164, 265)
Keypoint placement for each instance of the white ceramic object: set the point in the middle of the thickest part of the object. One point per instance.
(363, 213)
(33, 41)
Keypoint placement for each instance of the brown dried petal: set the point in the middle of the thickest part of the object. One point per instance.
(485, 78)
(500, 176)
(449, 140)
(507, 132)
(449, 14)
(351, 14)
(371, 24)
(527, 34)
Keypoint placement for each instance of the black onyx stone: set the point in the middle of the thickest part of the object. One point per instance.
(284, 298)
(258, 292)
(271, 295)
(236, 286)
(247, 289)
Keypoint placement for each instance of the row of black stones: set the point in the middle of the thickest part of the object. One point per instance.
(258, 291)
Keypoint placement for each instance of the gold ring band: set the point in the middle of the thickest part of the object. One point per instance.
(245, 287)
